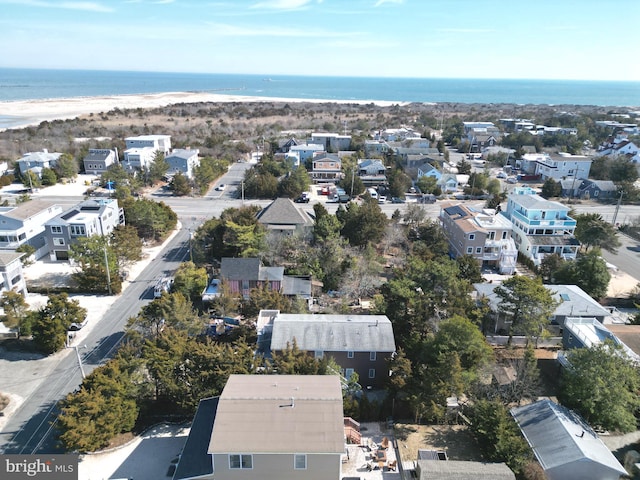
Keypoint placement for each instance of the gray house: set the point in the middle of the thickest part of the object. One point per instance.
(284, 427)
(358, 343)
(99, 159)
(36, 161)
(182, 160)
(564, 444)
(283, 217)
(88, 218)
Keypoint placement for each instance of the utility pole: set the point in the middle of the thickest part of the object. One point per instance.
(106, 265)
(615, 214)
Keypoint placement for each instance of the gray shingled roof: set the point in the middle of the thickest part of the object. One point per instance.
(7, 258)
(240, 268)
(27, 209)
(282, 211)
(195, 461)
(334, 333)
(459, 470)
(560, 437)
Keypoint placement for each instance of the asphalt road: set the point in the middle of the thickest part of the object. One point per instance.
(31, 428)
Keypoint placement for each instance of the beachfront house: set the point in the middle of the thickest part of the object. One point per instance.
(25, 223)
(98, 160)
(36, 161)
(182, 160)
(141, 151)
(88, 218)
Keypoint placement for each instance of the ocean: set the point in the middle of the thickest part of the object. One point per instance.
(27, 84)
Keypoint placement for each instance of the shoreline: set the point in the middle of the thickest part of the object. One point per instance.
(19, 114)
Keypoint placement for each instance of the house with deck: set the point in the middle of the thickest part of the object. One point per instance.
(25, 223)
(141, 150)
(283, 427)
(88, 218)
(326, 168)
(11, 274)
(36, 161)
(182, 160)
(485, 235)
(541, 227)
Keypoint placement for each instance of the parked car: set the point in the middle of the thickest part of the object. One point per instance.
(512, 180)
(221, 187)
(74, 327)
(302, 199)
(397, 200)
(382, 199)
(501, 175)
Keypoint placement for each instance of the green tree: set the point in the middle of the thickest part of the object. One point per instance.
(99, 270)
(602, 384)
(498, 435)
(51, 324)
(15, 309)
(428, 184)
(326, 226)
(31, 180)
(158, 167)
(126, 246)
(593, 231)
(28, 250)
(66, 166)
(171, 311)
(190, 281)
(293, 361)
(622, 169)
(246, 240)
(264, 298)
(293, 184)
(180, 185)
(551, 188)
(364, 223)
(103, 407)
(464, 167)
(469, 269)
(48, 177)
(589, 272)
(153, 220)
(527, 304)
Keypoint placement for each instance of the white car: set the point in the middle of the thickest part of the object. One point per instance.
(221, 187)
(501, 175)
(382, 199)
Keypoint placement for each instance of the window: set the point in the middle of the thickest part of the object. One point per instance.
(78, 230)
(478, 249)
(15, 279)
(469, 250)
(492, 235)
(299, 461)
(348, 372)
(58, 242)
(372, 356)
(372, 373)
(504, 235)
(318, 354)
(472, 236)
(349, 354)
(237, 461)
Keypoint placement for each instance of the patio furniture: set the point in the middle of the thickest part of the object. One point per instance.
(392, 465)
(385, 443)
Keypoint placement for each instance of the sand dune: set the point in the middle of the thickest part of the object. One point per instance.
(31, 112)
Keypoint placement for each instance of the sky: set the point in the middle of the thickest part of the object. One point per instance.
(543, 39)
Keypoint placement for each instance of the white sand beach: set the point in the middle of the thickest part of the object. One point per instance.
(31, 112)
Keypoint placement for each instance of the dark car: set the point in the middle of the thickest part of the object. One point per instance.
(397, 200)
(302, 200)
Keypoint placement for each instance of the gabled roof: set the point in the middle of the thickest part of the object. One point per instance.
(195, 461)
(98, 154)
(333, 333)
(282, 211)
(459, 470)
(240, 268)
(279, 414)
(183, 153)
(603, 185)
(559, 436)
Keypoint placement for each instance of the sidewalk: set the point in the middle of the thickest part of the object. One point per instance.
(21, 374)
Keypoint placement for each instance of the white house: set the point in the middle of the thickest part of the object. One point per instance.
(141, 150)
(563, 165)
(24, 223)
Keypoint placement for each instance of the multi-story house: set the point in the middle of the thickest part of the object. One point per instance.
(562, 165)
(486, 236)
(283, 427)
(24, 223)
(372, 172)
(88, 218)
(541, 227)
(326, 167)
(98, 160)
(332, 142)
(358, 343)
(141, 151)
(305, 152)
(241, 275)
(11, 273)
(36, 161)
(375, 148)
(182, 161)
